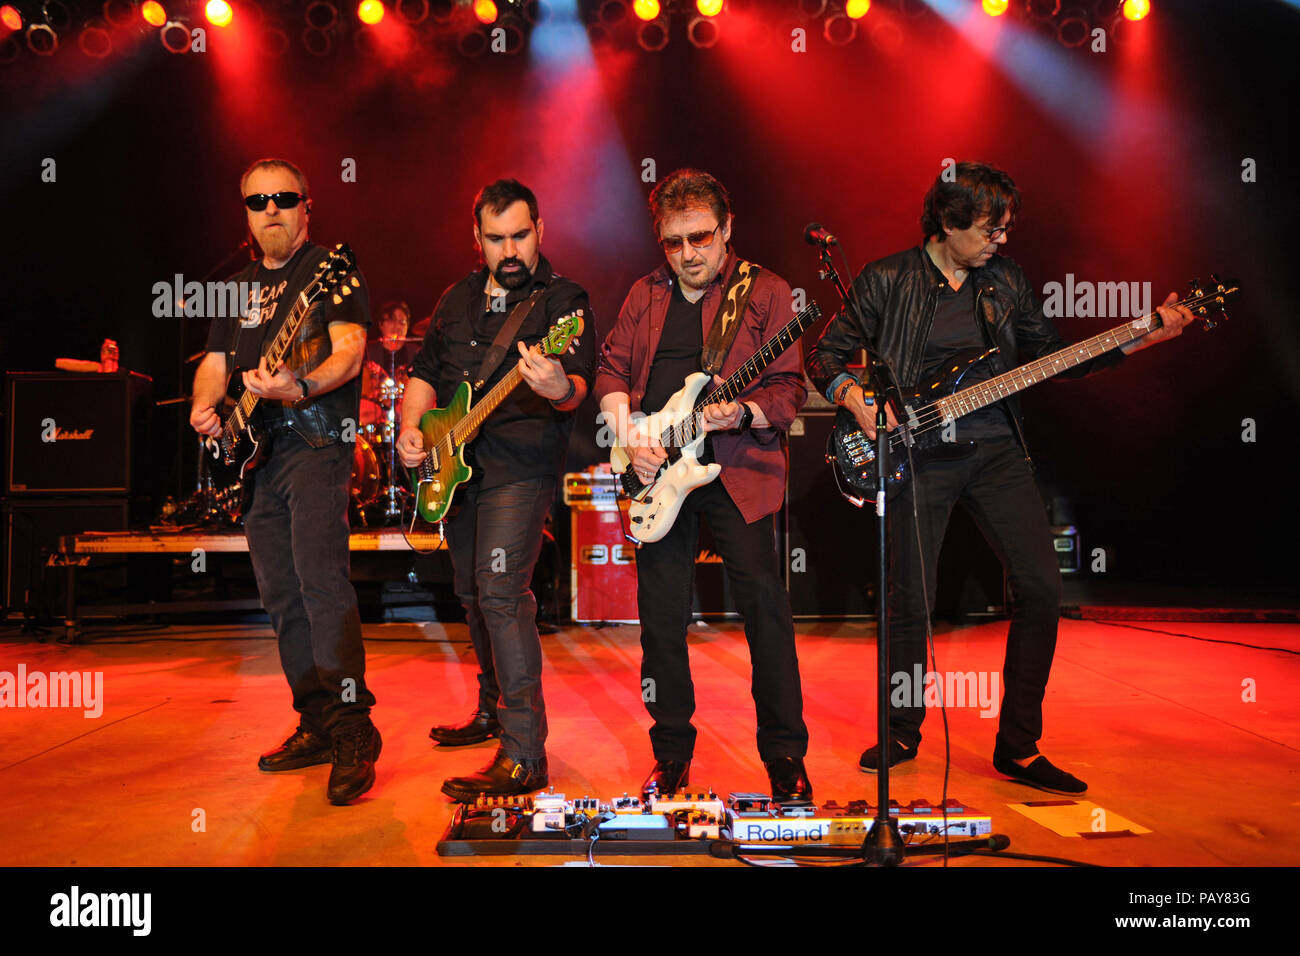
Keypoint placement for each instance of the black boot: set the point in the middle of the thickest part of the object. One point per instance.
(303, 749)
(355, 753)
(480, 727)
(503, 777)
(666, 778)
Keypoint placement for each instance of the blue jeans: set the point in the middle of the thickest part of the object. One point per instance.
(494, 536)
(297, 526)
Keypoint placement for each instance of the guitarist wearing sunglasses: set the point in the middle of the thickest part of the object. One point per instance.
(923, 309)
(671, 326)
(486, 330)
(296, 519)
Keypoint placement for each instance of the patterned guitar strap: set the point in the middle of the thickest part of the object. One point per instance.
(727, 322)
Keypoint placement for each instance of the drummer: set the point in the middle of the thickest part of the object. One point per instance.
(388, 361)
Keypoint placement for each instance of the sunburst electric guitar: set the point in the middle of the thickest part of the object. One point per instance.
(656, 504)
(449, 429)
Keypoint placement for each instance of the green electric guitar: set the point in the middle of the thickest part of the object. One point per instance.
(449, 429)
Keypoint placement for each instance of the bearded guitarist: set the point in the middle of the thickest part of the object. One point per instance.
(296, 520)
(921, 308)
(484, 328)
(665, 332)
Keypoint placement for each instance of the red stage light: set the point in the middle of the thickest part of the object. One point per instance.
(857, 9)
(219, 13)
(995, 8)
(646, 9)
(11, 18)
(486, 11)
(1136, 9)
(708, 8)
(370, 11)
(153, 13)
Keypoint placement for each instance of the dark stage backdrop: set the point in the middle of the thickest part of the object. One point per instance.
(1130, 163)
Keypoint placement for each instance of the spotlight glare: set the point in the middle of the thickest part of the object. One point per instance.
(153, 13)
(646, 9)
(370, 11)
(857, 9)
(995, 8)
(218, 13)
(485, 10)
(708, 8)
(1136, 9)
(11, 18)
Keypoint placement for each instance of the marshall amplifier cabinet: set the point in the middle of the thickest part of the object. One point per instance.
(74, 433)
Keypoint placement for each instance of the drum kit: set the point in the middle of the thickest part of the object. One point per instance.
(379, 490)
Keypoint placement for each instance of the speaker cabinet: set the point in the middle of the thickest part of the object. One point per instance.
(71, 433)
(32, 528)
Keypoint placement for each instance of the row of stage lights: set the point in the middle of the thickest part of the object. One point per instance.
(45, 20)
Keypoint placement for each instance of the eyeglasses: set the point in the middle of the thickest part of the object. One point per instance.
(698, 240)
(993, 235)
(257, 202)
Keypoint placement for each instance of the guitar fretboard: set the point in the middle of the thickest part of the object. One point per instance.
(239, 418)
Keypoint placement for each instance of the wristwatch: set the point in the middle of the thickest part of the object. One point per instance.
(746, 418)
(306, 393)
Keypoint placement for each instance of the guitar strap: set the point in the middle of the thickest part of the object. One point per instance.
(506, 337)
(727, 322)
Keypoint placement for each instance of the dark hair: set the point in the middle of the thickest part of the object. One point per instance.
(390, 307)
(272, 163)
(688, 189)
(977, 191)
(500, 196)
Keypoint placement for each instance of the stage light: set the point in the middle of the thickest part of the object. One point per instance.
(153, 13)
(57, 16)
(175, 37)
(485, 10)
(370, 11)
(702, 32)
(857, 9)
(646, 9)
(317, 42)
(811, 9)
(94, 40)
(413, 12)
(11, 18)
(995, 8)
(272, 41)
(652, 35)
(1136, 9)
(218, 13)
(1073, 29)
(709, 8)
(119, 13)
(42, 40)
(472, 43)
(320, 15)
(839, 30)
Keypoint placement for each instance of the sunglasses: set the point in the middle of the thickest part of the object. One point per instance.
(698, 240)
(257, 202)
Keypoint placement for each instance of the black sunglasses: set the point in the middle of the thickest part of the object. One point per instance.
(257, 202)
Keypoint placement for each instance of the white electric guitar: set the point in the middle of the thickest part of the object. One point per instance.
(656, 504)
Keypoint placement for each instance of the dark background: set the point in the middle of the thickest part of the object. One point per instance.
(1129, 162)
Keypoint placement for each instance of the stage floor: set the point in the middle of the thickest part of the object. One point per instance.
(1151, 714)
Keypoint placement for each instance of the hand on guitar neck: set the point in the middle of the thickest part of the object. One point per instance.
(1172, 323)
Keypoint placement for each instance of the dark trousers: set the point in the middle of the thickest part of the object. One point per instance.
(998, 489)
(665, 572)
(494, 536)
(297, 528)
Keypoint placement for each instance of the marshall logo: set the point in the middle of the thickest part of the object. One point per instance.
(51, 432)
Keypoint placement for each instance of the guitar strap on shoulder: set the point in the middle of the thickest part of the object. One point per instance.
(727, 322)
(506, 337)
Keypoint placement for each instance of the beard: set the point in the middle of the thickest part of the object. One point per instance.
(275, 243)
(511, 280)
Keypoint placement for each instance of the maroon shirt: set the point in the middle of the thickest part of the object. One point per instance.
(754, 461)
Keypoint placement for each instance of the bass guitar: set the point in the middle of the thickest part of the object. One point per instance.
(449, 429)
(241, 441)
(655, 504)
(921, 426)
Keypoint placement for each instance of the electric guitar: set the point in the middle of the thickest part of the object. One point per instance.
(241, 440)
(449, 429)
(655, 506)
(922, 423)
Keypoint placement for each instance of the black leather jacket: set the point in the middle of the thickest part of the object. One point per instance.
(898, 296)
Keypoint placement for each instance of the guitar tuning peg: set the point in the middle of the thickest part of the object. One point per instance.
(356, 283)
(337, 299)
(346, 290)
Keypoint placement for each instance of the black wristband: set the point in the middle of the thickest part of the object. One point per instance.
(573, 388)
(746, 418)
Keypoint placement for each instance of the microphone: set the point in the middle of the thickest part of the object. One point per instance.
(815, 235)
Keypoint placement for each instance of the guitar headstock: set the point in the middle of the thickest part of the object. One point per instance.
(562, 333)
(337, 265)
(1202, 301)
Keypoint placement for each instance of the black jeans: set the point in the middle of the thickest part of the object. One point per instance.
(665, 571)
(997, 487)
(494, 536)
(297, 528)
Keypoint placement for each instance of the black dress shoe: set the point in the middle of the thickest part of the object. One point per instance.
(1041, 773)
(666, 778)
(480, 727)
(355, 753)
(303, 749)
(789, 780)
(503, 777)
(870, 760)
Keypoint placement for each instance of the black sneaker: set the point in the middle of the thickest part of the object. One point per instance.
(355, 753)
(869, 762)
(304, 748)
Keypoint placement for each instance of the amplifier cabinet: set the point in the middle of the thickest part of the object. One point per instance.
(74, 433)
(32, 527)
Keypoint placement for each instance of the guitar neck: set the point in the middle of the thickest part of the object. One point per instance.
(465, 429)
(1040, 370)
(274, 356)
